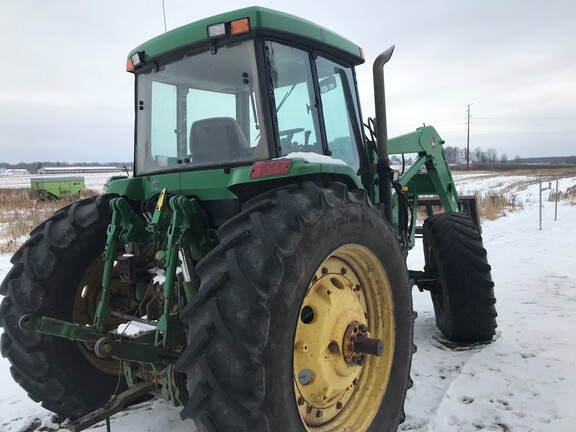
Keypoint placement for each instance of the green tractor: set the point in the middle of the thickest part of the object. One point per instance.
(253, 270)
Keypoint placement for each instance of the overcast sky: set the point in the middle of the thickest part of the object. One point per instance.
(65, 95)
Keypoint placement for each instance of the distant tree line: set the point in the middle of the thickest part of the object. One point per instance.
(456, 155)
(33, 167)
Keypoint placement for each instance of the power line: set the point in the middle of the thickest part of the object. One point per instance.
(432, 122)
(524, 118)
(449, 120)
(520, 132)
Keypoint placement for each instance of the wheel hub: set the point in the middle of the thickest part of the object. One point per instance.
(335, 356)
(324, 377)
(357, 343)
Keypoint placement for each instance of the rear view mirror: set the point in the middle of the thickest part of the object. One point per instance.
(327, 84)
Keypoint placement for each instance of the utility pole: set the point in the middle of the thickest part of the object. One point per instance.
(468, 139)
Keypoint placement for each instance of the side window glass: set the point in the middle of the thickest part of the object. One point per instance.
(163, 124)
(341, 120)
(295, 102)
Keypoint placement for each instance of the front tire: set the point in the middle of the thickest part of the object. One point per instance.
(254, 318)
(463, 295)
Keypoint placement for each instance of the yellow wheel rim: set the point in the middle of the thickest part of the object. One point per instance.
(85, 304)
(335, 389)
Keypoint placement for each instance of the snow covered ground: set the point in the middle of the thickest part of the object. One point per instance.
(525, 381)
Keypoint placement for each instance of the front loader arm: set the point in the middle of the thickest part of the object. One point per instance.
(427, 180)
(435, 178)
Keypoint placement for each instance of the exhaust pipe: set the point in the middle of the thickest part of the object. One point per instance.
(383, 166)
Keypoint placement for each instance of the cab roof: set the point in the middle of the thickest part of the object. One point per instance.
(262, 20)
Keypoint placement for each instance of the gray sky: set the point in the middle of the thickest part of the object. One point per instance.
(65, 95)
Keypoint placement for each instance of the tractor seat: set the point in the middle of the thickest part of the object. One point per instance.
(217, 139)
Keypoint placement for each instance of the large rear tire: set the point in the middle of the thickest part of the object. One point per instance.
(463, 295)
(49, 273)
(277, 296)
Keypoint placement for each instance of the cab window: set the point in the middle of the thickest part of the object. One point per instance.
(339, 109)
(290, 75)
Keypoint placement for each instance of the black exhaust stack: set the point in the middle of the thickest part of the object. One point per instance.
(383, 166)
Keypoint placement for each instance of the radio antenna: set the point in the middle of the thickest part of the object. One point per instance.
(164, 14)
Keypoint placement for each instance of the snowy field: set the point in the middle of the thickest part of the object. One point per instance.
(525, 381)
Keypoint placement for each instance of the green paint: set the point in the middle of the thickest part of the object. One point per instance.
(188, 228)
(430, 173)
(58, 187)
(132, 187)
(218, 183)
(126, 226)
(131, 350)
(261, 20)
(113, 231)
(55, 327)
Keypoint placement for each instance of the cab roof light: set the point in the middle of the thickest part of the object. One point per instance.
(240, 26)
(270, 168)
(135, 60)
(216, 31)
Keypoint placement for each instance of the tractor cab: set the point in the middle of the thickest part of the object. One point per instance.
(242, 87)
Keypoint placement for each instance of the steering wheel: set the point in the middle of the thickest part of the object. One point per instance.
(290, 133)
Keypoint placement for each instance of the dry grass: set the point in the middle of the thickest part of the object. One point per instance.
(568, 195)
(494, 205)
(490, 206)
(21, 210)
(557, 170)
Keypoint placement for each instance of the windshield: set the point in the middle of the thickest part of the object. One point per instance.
(203, 109)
